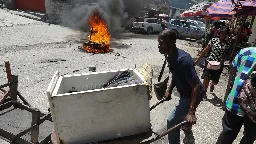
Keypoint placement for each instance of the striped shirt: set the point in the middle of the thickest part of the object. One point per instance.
(245, 63)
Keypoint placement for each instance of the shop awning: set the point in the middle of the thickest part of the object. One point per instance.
(197, 10)
(225, 8)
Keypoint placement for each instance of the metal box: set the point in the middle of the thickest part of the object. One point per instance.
(94, 114)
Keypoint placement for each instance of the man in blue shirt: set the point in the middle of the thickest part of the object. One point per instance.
(185, 79)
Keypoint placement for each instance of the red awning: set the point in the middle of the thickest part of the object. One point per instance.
(197, 10)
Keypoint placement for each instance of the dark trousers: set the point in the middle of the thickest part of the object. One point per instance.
(232, 124)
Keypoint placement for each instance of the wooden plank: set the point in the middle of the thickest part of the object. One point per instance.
(46, 117)
(14, 88)
(5, 106)
(23, 133)
(3, 90)
(4, 96)
(35, 124)
(4, 85)
(23, 99)
(8, 71)
(7, 136)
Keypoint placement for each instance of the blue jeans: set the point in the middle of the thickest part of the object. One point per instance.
(177, 115)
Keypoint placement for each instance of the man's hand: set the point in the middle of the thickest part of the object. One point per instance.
(168, 96)
(191, 118)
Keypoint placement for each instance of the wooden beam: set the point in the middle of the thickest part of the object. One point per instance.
(4, 96)
(4, 85)
(35, 124)
(14, 88)
(8, 71)
(7, 136)
(23, 99)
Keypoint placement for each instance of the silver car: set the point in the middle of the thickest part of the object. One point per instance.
(187, 28)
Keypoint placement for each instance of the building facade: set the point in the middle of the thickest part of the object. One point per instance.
(179, 6)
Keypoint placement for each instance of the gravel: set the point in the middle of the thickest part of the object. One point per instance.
(36, 50)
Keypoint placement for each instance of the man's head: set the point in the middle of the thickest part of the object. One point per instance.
(217, 24)
(223, 23)
(167, 41)
(224, 32)
(246, 25)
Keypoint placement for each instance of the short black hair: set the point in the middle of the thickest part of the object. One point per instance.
(167, 35)
(217, 24)
(224, 29)
(247, 23)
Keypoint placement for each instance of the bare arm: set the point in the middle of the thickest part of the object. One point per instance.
(191, 116)
(169, 89)
(194, 96)
(231, 80)
(203, 53)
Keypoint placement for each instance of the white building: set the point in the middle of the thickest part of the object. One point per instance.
(179, 6)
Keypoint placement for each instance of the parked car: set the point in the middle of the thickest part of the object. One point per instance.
(187, 28)
(148, 25)
(199, 24)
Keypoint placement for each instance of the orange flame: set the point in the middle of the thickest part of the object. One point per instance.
(99, 39)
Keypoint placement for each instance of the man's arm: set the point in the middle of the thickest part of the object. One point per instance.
(169, 90)
(194, 96)
(191, 76)
(203, 53)
(231, 81)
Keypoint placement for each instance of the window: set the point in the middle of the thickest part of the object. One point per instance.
(149, 21)
(139, 20)
(201, 24)
(175, 22)
(152, 20)
(193, 25)
(183, 23)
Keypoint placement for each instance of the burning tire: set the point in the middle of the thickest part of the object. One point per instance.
(99, 37)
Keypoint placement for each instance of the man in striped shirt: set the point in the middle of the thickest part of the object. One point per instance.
(243, 66)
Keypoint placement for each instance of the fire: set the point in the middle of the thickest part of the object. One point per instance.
(99, 38)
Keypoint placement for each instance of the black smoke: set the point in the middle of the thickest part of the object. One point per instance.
(116, 13)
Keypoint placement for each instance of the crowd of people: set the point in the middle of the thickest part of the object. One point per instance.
(241, 102)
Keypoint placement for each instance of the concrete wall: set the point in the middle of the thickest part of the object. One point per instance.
(32, 5)
(56, 8)
(8, 3)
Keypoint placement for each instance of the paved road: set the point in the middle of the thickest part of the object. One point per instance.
(36, 50)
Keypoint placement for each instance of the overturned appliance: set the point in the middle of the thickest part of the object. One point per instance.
(99, 106)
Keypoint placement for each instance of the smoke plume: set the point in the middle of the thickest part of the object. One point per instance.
(116, 13)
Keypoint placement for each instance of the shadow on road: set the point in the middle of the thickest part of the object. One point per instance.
(31, 15)
(118, 45)
(134, 36)
(216, 101)
(189, 138)
(188, 39)
(135, 139)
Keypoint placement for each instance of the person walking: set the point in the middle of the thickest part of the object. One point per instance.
(236, 114)
(215, 60)
(185, 79)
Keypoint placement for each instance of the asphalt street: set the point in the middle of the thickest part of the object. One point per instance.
(36, 50)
